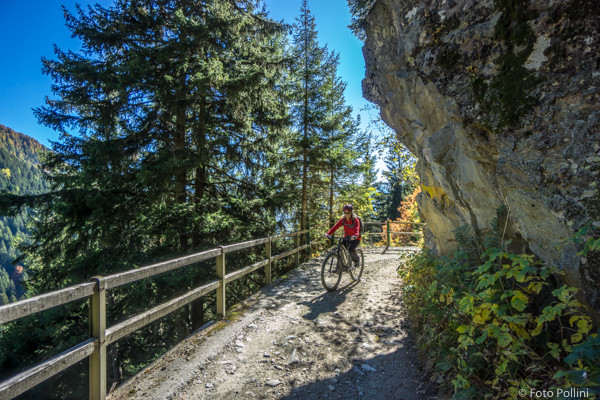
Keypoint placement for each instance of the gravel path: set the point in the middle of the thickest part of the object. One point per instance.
(294, 340)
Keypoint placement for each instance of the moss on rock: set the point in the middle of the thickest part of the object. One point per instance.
(507, 97)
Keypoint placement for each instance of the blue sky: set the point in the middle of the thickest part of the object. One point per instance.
(30, 28)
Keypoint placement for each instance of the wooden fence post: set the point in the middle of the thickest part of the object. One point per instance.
(389, 236)
(308, 236)
(221, 308)
(296, 245)
(97, 361)
(269, 265)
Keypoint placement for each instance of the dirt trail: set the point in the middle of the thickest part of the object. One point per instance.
(296, 341)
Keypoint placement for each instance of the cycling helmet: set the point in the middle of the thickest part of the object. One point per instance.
(348, 207)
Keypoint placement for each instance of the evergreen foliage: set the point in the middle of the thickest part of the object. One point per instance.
(183, 126)
(359, 10)
(326, 144)
(169, 119)
(19, 175)
(394, 189)
(175, 113)
(399, 178)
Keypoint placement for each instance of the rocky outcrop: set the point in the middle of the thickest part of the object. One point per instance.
(499, 100)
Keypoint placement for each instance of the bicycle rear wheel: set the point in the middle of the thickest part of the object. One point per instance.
(357, 270)
(331, 272)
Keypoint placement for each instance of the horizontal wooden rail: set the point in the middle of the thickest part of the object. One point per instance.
(244, 245)
(124, 328)
(394, 222)
(23, 308)
(284, 235)
(36, 375)
(123, 278)
(245, 271)
(407, 233)
(290, 252)
(95, 291)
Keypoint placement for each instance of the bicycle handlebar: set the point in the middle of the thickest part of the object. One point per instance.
(341, 238)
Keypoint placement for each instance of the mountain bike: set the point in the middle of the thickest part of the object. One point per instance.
(336, 262)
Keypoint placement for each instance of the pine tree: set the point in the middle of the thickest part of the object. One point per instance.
(168, 118)
(399, 176)
(394, 191)
(400, 181)
(4, 287)
(340, 146)
(368, 189)
(325, 151)
(359, 10)
(309, 112)
(369, 170)
(176, 112)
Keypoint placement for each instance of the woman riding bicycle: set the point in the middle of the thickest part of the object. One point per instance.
(351, 232)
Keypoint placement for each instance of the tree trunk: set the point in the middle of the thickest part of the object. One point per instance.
(117, 371)
(180, 172)
(331, 221)
(197, 314)
(201, 177)
(305, 145)
(303, 215)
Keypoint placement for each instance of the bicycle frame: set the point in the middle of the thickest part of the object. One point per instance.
(344, 254)
(338, 261)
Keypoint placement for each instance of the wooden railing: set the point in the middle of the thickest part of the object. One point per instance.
(389, 232)
(101, 336)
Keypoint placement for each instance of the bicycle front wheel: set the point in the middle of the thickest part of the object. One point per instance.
(357, 270)
(331, 272)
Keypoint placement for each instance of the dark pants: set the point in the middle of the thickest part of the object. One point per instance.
(351, 245)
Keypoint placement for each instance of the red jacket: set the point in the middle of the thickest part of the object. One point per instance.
(351, 228)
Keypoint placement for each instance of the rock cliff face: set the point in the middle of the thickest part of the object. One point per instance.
(499, 100)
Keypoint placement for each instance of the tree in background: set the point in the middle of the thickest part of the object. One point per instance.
(174, 135)
(176, 114)
(398, 194)
(394, 188)
(310, 68)
(328, 145)
(339, 147)
(405, 222)
(19, 175)
(169, 116)
(359, 10)
(368, 167)
(369, 188)
(399, 177)
(8, 291)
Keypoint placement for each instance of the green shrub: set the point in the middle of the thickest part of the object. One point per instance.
(494, 323)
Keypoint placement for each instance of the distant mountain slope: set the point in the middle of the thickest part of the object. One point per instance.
(19, 174)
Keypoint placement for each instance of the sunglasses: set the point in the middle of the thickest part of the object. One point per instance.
(347, 212)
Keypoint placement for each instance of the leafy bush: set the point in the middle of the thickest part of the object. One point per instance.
(498, 323)
(409, 214)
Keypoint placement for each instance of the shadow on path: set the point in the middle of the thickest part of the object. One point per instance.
(327, 302)
(373, 378)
